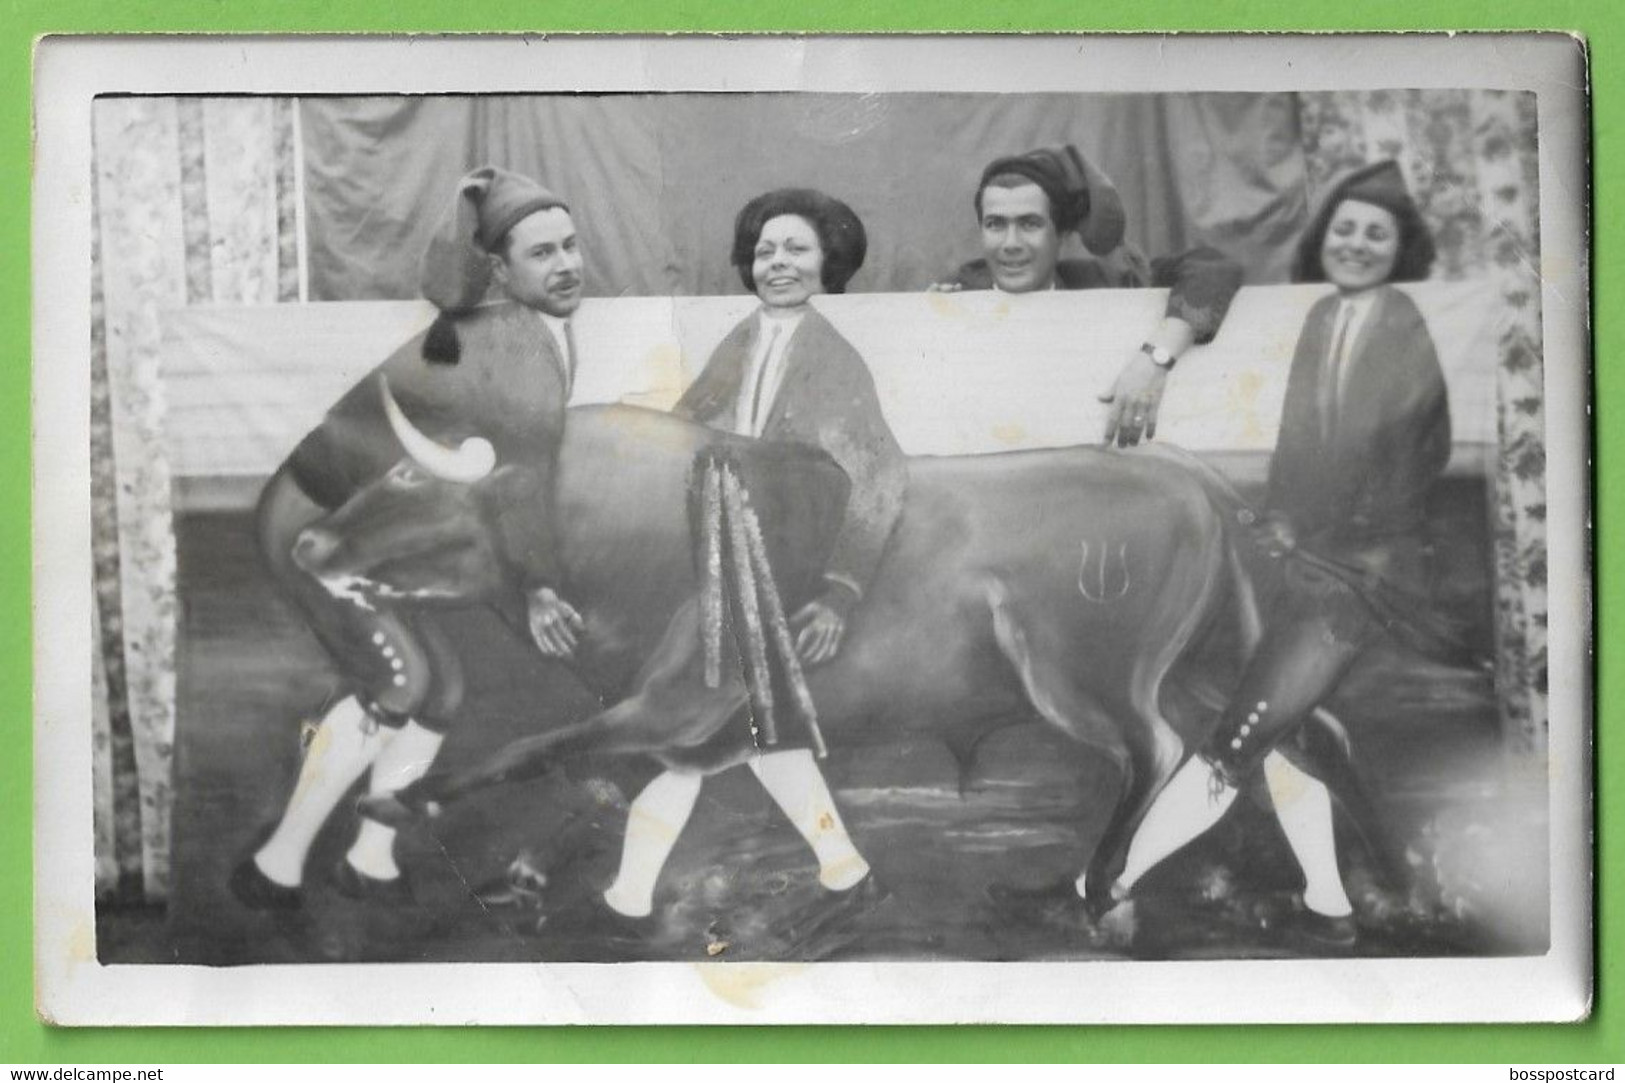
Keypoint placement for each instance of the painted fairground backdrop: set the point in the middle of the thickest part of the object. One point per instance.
(254, 255)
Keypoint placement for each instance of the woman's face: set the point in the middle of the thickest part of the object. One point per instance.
(1361, 245)
(789, 264)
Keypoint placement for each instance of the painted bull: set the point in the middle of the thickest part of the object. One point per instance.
(1064, 585)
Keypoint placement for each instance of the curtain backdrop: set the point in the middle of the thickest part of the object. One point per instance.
(655, 180)
(258, 201)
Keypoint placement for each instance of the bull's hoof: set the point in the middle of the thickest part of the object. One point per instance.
(390, 810)
(1318, 934)
(1057, 898)
(522, 886)
(257, 891)
(352, 883)
(1098, 904)
(503, 894)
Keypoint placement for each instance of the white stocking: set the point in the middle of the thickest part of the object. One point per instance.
(346, 744)
(656, 819)
(403, 761)
(794, 781)
(1191, 803)
(1304, 807)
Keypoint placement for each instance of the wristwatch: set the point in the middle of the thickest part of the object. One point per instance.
(1159, 356)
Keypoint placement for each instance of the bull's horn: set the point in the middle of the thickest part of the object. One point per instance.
(470, 462)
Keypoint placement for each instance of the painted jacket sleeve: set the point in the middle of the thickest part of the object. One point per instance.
(855, 434)
(1201, 283)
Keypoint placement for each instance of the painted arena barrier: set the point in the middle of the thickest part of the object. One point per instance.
(958, 374)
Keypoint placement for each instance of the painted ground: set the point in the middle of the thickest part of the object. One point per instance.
(741, 884)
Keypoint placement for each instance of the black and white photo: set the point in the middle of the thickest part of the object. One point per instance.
(813, 530)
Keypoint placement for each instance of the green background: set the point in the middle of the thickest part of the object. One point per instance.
(24, 1040)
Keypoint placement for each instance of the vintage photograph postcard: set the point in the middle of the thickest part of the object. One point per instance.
(828, 530)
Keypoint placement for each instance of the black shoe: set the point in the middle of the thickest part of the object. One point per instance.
(1307, 931)
(1053, 899)
(258, 891)
(836, 912)
(352, 883)
(590, 930)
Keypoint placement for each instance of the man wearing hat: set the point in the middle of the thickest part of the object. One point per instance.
(1027, 203)
(502, 371)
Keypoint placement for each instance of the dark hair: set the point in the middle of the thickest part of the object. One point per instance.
(1416, 251)
(840, 233)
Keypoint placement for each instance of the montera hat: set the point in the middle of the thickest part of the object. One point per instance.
(1081, 196)
(489, 202)
(1380, 183)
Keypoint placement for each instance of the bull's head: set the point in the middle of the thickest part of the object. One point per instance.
(424, 531)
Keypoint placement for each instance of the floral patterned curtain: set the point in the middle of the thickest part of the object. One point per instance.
(193, 202)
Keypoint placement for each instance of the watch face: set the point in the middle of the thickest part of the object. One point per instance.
(1159, 356)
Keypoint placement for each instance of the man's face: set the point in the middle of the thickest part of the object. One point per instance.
(1019, 238)
(540, 265)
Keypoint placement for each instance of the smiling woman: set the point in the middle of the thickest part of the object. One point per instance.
(786, 374)
(788, 266)
(1365, 434)
(1360, 246)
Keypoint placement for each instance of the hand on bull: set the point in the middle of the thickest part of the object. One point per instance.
(1134, 400)
(554, 623)
(821, 623)
(1136, 394)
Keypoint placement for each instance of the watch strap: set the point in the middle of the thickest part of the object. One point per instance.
(1160, 357)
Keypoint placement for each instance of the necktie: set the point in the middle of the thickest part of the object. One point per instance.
(1331, 373)
(761, 383)
(569, 357)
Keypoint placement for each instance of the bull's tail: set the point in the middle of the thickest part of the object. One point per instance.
(1185, 607)
(1184, 604)
(1243, 623)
